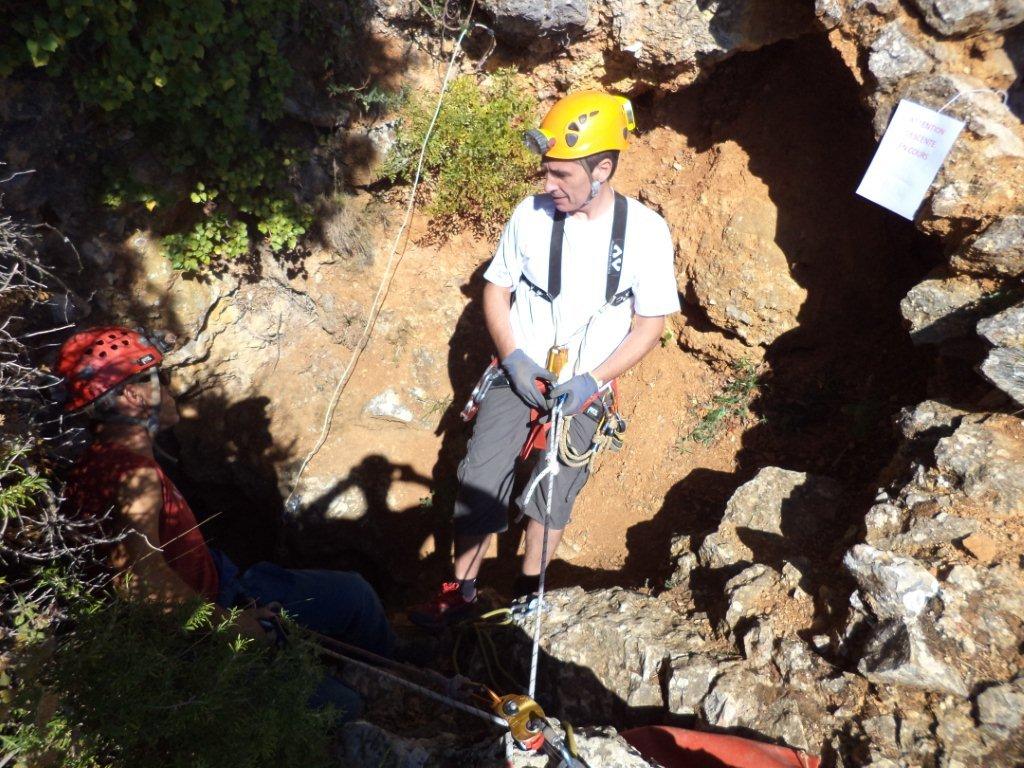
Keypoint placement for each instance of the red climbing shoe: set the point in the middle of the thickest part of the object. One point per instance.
(446, 608)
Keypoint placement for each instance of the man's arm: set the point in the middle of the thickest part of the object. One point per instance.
(645, 333)
(152, 579)
(497, 317)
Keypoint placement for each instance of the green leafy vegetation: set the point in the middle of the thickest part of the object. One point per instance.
(134, 686)
(199, 83)
(476, 166)
(728, 407)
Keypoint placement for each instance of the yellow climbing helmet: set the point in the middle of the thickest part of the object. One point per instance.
(582, 124)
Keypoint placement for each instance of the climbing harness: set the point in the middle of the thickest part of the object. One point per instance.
(616, 255)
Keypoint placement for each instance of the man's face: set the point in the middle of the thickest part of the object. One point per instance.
(136, 399)
(568, 183)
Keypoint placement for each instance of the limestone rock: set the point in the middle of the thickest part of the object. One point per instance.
(942, 308)
(758, 597)
(961, 18)
(521, 20)
(775, 511)
(606, 649)
(740, 276)
(388, 406)
(929, 418)
(1004, 365)
(895, 57)
(986, 460)
(686, 36)
(690, 679)
(829, 12)
(902, 649)
(1005, 329)
(934, 635)
(1001, 708)
(999, 250)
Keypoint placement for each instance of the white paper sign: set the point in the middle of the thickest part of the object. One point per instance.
(909, 157)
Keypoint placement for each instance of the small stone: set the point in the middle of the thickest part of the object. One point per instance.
(981, 547)
(387, 406)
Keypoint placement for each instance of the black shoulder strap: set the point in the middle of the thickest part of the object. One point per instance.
(616, 251)
(555, 256)
(617, 247)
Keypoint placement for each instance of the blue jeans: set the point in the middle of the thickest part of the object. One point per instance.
(340, 604)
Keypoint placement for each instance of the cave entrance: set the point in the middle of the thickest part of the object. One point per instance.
(771, 147)
(782, 132)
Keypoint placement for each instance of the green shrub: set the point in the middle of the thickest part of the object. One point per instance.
(198, 81)
(476, 167)
(729, 406)
(134, 686)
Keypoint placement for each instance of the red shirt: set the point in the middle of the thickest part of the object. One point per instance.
(93, 487)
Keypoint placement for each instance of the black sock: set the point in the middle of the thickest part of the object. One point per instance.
(525, 585)
(468, 589)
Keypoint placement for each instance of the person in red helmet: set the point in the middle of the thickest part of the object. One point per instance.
(112, 376)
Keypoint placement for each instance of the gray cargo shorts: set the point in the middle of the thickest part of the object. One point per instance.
(487, 473)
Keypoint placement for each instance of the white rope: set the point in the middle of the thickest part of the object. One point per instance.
(549, 471)
(421, 689)
(389, 272)
(1001, 93)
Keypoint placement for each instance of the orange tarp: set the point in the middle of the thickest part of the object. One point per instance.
(680, 748)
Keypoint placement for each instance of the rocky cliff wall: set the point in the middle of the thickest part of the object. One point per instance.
(890, 637)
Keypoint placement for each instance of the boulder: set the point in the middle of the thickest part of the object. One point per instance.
(986, 461)
(962, 18)
(999, 250)
(942, 307)
(778, 511)
(943, 636)
(687, 36)
(740, 277)
(1004, 365)
(902, 649)
(523, 20)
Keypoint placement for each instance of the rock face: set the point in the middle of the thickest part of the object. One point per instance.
(970, 17)
(942, 308)
(667, 44)
(1004, 365)
(669, 663)
(685, 36)
(520, 20)
(741, 277)
(777, 510)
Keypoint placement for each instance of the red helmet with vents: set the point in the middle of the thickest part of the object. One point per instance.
(96, 361)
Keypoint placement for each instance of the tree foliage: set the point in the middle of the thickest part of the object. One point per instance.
(200, 82)
(133, 685)
(478, 167)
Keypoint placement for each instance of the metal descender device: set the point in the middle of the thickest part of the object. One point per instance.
(531, 730)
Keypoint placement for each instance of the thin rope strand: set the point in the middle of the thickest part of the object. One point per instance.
(551, 470)
(389, 273)
(1001, 93)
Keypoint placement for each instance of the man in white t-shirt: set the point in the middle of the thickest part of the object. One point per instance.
(581, 270)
